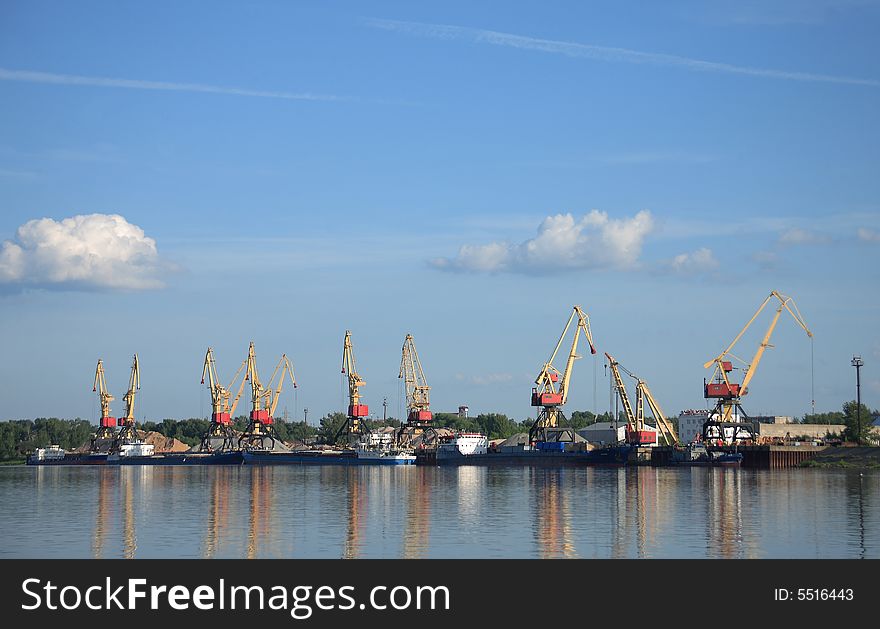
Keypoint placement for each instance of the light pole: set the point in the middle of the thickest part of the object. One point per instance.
(857, 363)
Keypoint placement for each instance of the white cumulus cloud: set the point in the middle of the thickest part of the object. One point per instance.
(700, 261)
(91, 252)
(562, 242)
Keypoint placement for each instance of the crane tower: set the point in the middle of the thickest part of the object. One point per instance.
(220, 428)
(261, 423)
(356, 410)
(127, 431)
(725, 422)
(553, 386)
(419, 418)
(635, 420)
(106, 424)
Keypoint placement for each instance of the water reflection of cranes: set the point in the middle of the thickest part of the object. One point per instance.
(398, 487)
(553, 531)
(116, 491)
(260, 513)
(129, 537)
(218, 513)
(724, 518)
(418, 511)
(104, 510)
(357, 500)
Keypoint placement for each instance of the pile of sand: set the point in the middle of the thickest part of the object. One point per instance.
(518, 439)
(161, 443)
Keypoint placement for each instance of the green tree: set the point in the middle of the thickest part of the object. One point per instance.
(854, 415)
(832, 417)
(331, 423)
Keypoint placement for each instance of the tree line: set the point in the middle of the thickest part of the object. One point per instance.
(18, 437)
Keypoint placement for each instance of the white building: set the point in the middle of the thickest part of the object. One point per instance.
(603, 433)
(690, 424)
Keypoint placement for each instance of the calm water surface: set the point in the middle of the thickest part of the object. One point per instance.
(436, 512)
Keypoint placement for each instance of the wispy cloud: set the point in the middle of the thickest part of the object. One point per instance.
(21, 175)
(29, 76)
(485, 379)
(602, 53)
(868, 235)
(655, 157)
(766, 260)
(798, 236)
(781, 12)
(594, 241)
(700, 261)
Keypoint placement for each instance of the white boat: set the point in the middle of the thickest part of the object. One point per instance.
(131, 450)
(463, 444)
(51, 453)
(378, 449)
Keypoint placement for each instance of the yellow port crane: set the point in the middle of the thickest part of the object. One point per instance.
(220, 427)
(635, 420)
(552, 387)
(356, 410)
(284, 367)
(418, 396)
(126, 423)
(107, 423)
(260, 422)
(418, 404)
(729, 394)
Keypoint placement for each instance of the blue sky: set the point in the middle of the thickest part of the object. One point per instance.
(289, 170)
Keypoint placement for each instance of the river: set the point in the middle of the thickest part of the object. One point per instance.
(436, 512)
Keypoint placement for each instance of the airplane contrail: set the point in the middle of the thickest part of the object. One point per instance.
(603, 53)
(29, 76)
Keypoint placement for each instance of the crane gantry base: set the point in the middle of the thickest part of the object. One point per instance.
(218, 430)
(103, 439)
(127, 434)
(740, 431)
(549, 418)
(255, 435)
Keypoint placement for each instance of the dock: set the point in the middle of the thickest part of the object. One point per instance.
(761, 457)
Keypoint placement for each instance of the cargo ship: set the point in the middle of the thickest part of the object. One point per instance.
(371, 449)
(698, 454)
(541, 454)
(138, 452)
(55, 455)
(327, 457)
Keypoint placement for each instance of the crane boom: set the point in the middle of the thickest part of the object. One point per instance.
(283, 367)
(219, 393)
(104, 438)
(633, 425)
(636, 421)
(261, 423)
(553, 386)
(729, 393)
(220, 427)
(241, 370)
(356, 410)
(418, 403)
(127, 431)
(664, 426)
(134, 384)
(104, 396)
